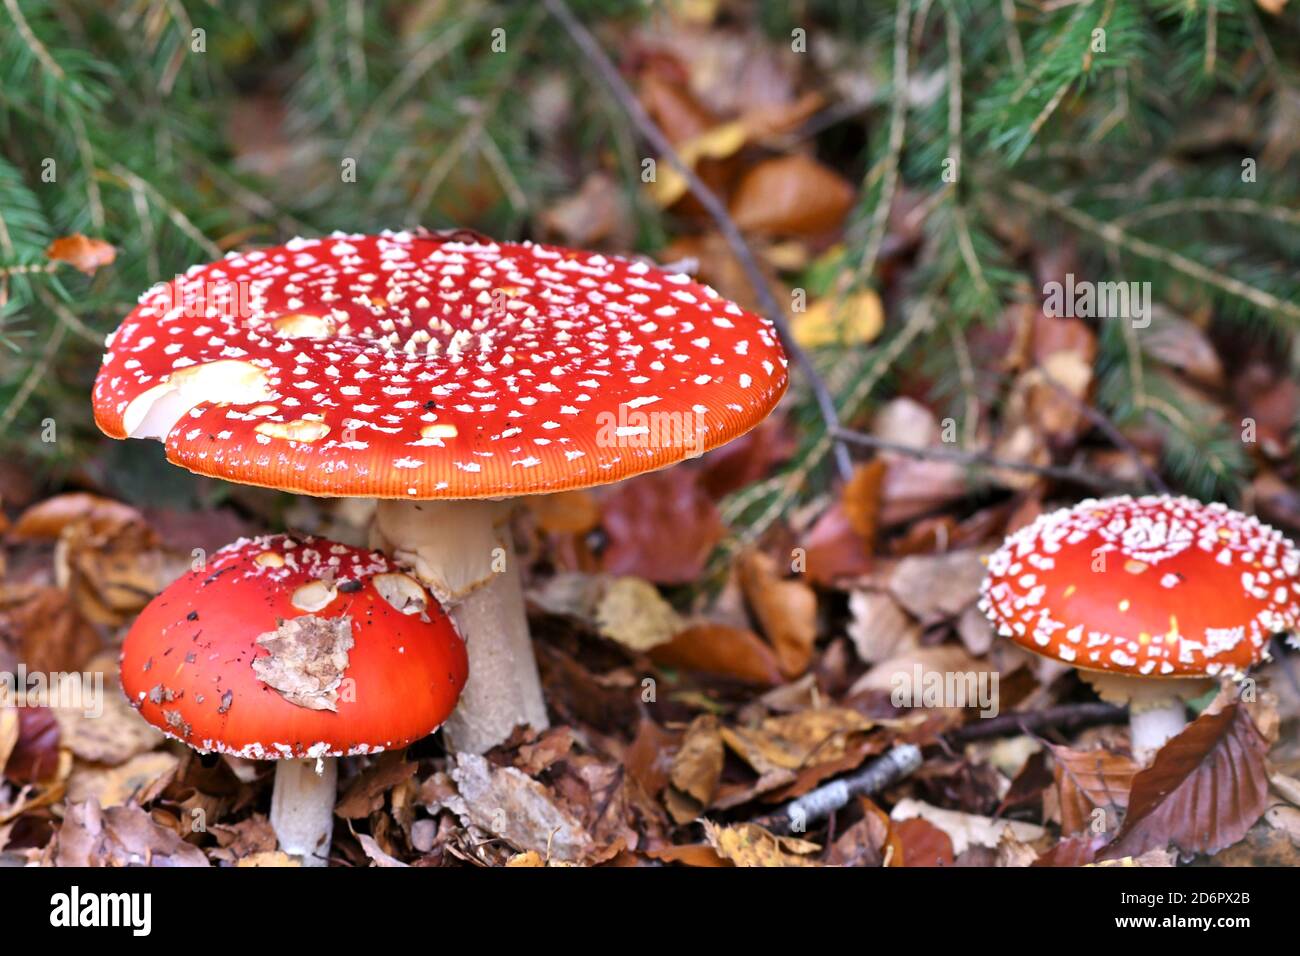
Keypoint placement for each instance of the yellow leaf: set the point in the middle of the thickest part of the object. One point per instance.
(747, 844)
(855, 320)
(717, 143)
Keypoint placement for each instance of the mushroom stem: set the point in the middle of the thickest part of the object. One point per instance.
(461, 551)
(1151, 726)
(302, 808)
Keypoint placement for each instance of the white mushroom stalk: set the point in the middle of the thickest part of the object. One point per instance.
(302, 808)
(1157, 709)
(461, 551)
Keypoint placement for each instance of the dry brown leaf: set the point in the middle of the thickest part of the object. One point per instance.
(565, 512)
(941, 659)
(791, 195)
(1088, 780)
(508, 803)
(112, 733)
(308, 657)
(937, 587)
(633, 613)
(793, 741)
(966, 829)
(274, 858)
(114, 786)
(748, 844)
(81, 252)
(719, 649)
(638, 512)
(862, 498)
(598, 212)
(1203, 791)
(120, 836)
(786, 610)
(697, 766)
(40, 627)
(879, 628)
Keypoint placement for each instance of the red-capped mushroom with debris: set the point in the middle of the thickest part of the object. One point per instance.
(298, 650)
(440, 373)
(1147, 597)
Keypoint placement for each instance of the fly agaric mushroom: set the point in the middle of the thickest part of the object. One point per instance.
(1148, 597)
(440, 374)
(297, 650)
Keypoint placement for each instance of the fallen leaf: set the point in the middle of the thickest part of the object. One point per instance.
(923, 843)
(508, 803)
(273, 858)
(849, 322)
(722, 650)
(120, 836)
(717, 142)
(1088, 780)
(834, 551)
(966, 829)
(366, 792)
(748, 844)
(879, 628)
(106, 729)
(308, 657)
(638, 511)
(1203, 791)
(116, 785)
(375, 854)
(81, 252)
(40, 627)
(565, 512)
(691, 854)
(792, 741)
(633, 613)
(598, 212)
(937, 587)
(786, 610)
(34, 757)
(697, 766)
(791, 195)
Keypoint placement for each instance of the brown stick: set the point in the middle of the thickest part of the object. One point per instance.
(979, 459)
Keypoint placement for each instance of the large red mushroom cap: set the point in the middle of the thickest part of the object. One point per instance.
(294, 647)
(420, 365)
(1158, 586)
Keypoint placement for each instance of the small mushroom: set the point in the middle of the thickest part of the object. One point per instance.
(442, 374)
(1150, 598)
(256, 676)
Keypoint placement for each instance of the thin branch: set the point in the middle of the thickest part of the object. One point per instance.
(866, 265)
(1111, 233)
(1176, 207)
(179, 218)
(980, 459)
(619, 89)
(1109, 429)
(39, 371)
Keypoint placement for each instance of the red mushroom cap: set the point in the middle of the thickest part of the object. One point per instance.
(414, 365)
(1154, 587)
(294, 647)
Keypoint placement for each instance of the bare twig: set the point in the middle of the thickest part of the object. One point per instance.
(904, 759)
(980, 459)
(1110, 233)
(618, 88)
(1109, 429)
